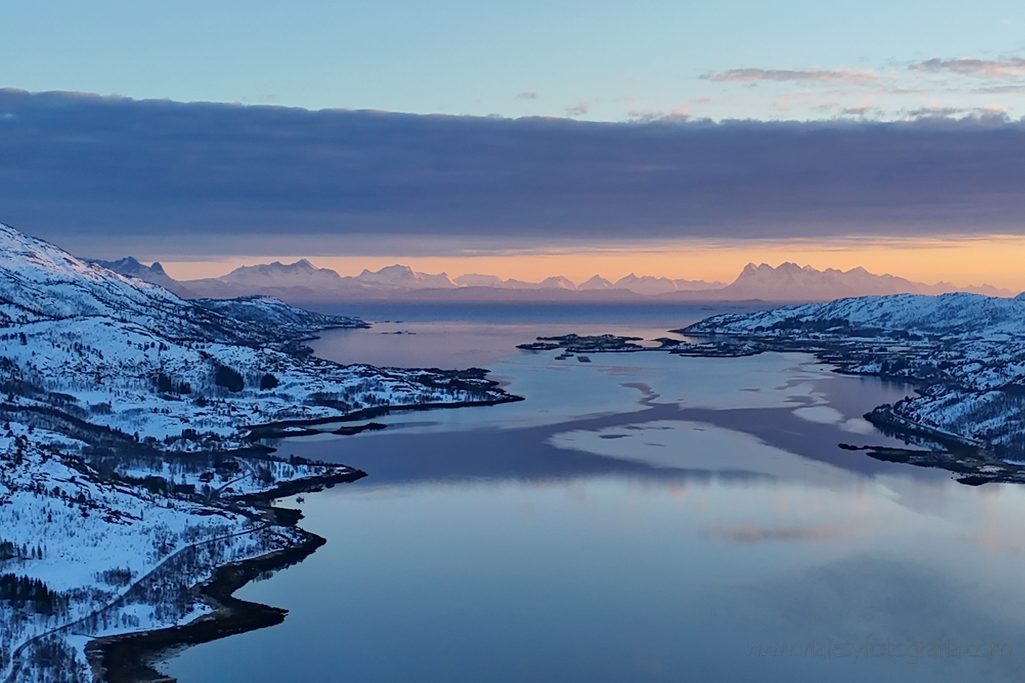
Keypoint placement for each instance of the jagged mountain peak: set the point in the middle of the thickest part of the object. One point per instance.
(557, 282)
(596, 282)
(479, 280)
(153, 274)
(398, 275)
(278, 274)
(791, 282)
(397, 270)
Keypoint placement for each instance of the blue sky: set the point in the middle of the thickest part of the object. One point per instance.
(595, 60)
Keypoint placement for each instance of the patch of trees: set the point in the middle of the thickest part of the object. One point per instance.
(228, 378)
(9, 550)
(26, 592)
(268, 381)
(331, 400)
(166, 385)
(119, 576)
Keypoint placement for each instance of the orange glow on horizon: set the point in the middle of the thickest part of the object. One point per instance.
(994, 260)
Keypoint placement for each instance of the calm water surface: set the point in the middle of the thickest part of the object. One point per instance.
(640, 518)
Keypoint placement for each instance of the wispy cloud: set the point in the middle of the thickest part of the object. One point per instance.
(681, 113)
(862, 109)
(579, 110)
(833, 76)
(527, 96)
(979, 68)
(1001, 90)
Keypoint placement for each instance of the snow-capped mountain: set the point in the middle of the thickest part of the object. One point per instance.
(267, 279)
(696, 285)
(277, 274)
(791, 282)
(556, 282)
(478, 280)
(403, 277)
(596, 283)
(302, 281)
(154, 274)
(266, 311)
(41, 282)
(646, 285)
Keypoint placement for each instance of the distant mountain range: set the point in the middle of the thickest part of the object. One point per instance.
(302, 281)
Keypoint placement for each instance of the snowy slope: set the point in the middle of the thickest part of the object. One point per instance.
(969, 316)
(966, 350)
(39, 281)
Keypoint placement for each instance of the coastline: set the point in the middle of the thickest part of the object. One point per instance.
(971, 461)
(131, 657)
(276, 430)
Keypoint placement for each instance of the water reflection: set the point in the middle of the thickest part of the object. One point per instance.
(645, 518)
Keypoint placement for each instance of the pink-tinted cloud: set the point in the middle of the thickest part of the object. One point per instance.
(861, 109)
(755, 76)
(979, 68)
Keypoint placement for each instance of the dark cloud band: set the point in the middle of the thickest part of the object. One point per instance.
(88, 171)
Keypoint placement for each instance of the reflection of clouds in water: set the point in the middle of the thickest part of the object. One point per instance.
(876, 599)
(820, 414)
(751, 532)
(858, 425)
(830, 415)
(687, 445)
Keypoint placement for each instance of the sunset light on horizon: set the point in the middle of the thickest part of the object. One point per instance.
(972, 260)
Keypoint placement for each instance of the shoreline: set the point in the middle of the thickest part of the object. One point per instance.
(972, 461)
(276, 430)
(131, 657)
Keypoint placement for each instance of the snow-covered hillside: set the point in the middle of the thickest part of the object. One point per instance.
(39, 282)
(128, 469)
(966, 316)
(154, 274)
(966, 350)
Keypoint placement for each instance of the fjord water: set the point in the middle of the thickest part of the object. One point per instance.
(639, 517)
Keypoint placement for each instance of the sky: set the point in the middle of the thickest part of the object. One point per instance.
(668, 138)
(599, 60)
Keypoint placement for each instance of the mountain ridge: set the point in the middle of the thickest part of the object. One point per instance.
(302, 281)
